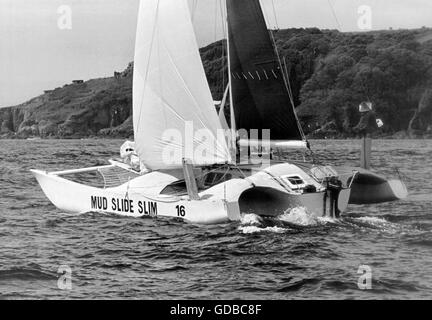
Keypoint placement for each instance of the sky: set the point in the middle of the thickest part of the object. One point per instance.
(36, 54)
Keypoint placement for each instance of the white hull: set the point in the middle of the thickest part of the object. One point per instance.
(76, 198)
(222, 203)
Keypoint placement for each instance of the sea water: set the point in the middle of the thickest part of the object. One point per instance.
(46, 253)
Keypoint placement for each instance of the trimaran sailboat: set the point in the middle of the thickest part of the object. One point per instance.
(190, 170)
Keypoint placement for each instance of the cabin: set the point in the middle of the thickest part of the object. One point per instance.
(48, 91)
(78, 81)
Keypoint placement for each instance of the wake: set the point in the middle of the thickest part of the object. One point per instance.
(300, 218)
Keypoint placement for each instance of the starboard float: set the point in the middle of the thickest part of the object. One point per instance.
(199, 179)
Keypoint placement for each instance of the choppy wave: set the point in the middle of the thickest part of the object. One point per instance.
(252, 223)
(379, 225)
(299, 216)
(295, 255)
(254, 229)
(251, 220)
(26, 274)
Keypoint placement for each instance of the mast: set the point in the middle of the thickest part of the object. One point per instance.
(232, 113)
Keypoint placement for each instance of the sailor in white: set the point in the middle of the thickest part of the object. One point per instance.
(129, 156)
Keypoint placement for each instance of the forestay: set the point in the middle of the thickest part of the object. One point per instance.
(174, 115)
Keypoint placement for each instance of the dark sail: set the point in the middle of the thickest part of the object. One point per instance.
(260, 95)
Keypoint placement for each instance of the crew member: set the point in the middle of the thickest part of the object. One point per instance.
(366, 127)
(129, 156)
(368, 123)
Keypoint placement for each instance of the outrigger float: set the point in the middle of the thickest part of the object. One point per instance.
(172, 96)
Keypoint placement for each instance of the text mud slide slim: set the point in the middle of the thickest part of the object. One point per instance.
(124, 205)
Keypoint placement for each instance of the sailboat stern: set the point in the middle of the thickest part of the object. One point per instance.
(285, 186)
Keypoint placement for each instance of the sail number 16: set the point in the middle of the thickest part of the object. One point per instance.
(181, 211)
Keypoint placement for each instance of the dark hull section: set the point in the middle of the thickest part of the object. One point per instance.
(269, 202)
(371, 188)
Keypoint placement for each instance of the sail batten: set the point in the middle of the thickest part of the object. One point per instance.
(174, 115)
(262, 101)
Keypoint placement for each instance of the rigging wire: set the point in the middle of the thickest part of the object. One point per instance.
(286, 78)
(266, 17)
(334, 14)
(287, 84)
(275, 15)
(215, 21)
(219, 13)
(224, 45)
(194, 9)
(290, 92)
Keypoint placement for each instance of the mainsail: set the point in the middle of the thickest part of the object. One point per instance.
(259, 90)
(174, 114)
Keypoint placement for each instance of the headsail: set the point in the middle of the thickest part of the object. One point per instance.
(260, 94)
(171, 91)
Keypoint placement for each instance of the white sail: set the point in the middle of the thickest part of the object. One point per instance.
(172, 98)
